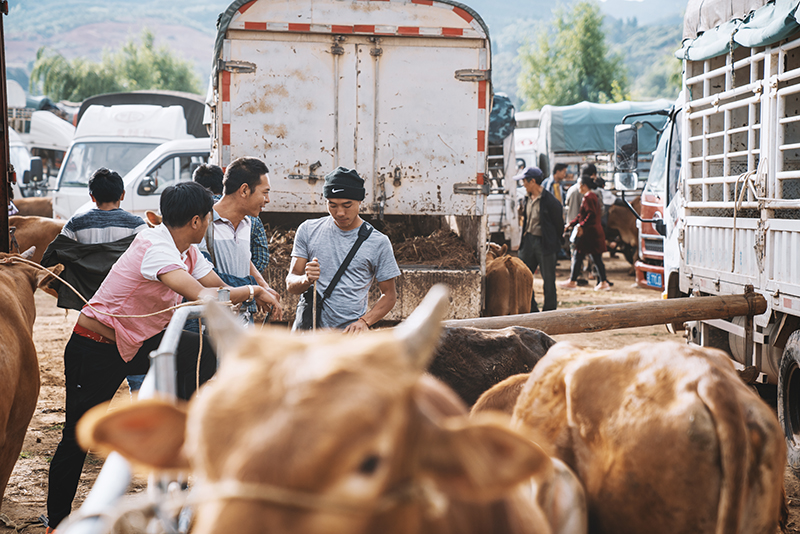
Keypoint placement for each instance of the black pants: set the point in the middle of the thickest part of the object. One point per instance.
(94, 372)
(531, 252)
(577, 264)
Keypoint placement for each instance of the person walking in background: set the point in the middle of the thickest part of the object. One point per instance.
(590, 238)
(542, 223)
(554, 184)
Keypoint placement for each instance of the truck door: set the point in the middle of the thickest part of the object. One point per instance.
(391, 107)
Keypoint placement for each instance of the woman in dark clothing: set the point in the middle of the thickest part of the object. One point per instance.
(591, 240)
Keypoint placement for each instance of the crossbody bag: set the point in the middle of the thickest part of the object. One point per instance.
(303, 316)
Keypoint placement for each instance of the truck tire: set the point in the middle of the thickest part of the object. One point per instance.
(789, 400)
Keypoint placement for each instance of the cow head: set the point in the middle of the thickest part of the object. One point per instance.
(322, 433)
(495, 251)
(21, 278)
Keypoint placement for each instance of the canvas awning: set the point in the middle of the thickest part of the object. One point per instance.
(762, 25)
(589, 127)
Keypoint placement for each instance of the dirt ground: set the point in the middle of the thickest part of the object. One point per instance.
(25, 496)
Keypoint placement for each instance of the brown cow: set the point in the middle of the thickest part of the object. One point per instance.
(665, 438)
(622, 230)
(472, 360)
(34, 206)
(509, 283)
(34, 232)
(324, 433)
(19, 368)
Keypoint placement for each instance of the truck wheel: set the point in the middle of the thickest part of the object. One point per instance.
(789, 400)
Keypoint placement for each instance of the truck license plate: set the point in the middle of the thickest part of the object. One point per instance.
(654, 279)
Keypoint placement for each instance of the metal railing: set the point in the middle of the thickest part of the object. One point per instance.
(115, 477)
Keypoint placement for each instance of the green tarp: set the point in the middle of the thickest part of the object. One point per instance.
(588, 127)
(766, 25)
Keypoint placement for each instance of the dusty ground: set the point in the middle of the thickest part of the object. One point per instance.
(24, 500)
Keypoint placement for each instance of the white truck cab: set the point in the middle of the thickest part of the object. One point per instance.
(168, 164)
(116, 137)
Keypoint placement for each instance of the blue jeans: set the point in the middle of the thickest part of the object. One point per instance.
(135, 382)
(531, 252)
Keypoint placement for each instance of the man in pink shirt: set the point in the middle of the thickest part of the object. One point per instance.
(161, 266)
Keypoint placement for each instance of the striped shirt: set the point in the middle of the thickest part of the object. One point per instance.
(231, 245)
(102, 226)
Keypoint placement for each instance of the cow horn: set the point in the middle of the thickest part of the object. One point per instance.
(28, 254)
(420, 332)
(223, 327)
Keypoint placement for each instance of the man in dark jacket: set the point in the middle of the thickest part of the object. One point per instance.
(542, 227)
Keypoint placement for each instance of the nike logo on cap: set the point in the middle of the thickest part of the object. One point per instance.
(336, 190)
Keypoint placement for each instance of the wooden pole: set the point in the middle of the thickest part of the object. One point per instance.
(629, 315)
(5, 164)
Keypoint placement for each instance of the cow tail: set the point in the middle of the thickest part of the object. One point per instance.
(512, 287)
(729, 423)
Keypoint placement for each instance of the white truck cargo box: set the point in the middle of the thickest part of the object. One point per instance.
(399, 91)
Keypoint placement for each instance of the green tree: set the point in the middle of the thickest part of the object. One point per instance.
(573, 64)
(134, 67)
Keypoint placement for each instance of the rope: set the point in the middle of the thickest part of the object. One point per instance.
(435, 503)
(34, 264)
(199, 354)
(738, 198)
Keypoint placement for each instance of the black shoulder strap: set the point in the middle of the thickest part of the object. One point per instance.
(364, 231)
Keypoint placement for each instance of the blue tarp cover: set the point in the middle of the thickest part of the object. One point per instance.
(766, 25)
(589, 127)
(501, 120)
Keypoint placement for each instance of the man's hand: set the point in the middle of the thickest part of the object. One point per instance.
(268, 302)
(312, 270)
(357, 327)
(274, 293)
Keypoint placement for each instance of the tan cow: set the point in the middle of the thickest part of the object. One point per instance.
(34, 232)
(19, 368)
(665, 437)
(34, 206)
(509, 283)
(332, 434)
(502, 397)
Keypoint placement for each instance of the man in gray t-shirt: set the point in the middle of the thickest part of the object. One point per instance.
(320, 247)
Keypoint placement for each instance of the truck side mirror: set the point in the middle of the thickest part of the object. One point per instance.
(147, 186)
(626, 148)
(626, 181)
(37, 170)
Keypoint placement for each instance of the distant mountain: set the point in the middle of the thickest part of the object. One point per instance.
(501, 13)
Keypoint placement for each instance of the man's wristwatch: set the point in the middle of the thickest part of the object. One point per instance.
(252, 293)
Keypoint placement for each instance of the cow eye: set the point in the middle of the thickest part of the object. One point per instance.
(369, 465)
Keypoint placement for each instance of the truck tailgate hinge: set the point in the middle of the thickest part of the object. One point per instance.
(237, 67)
(473, 75)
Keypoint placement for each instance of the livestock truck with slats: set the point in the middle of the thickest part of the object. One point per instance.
(400, 91)
(732, 212)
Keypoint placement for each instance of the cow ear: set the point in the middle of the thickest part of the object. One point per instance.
(478, 461)
(148, 432)
(503, 249)
(44, 277)
(153, 218)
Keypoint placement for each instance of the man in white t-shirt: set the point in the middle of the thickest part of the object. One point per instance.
(320, 248)
(161, 266)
